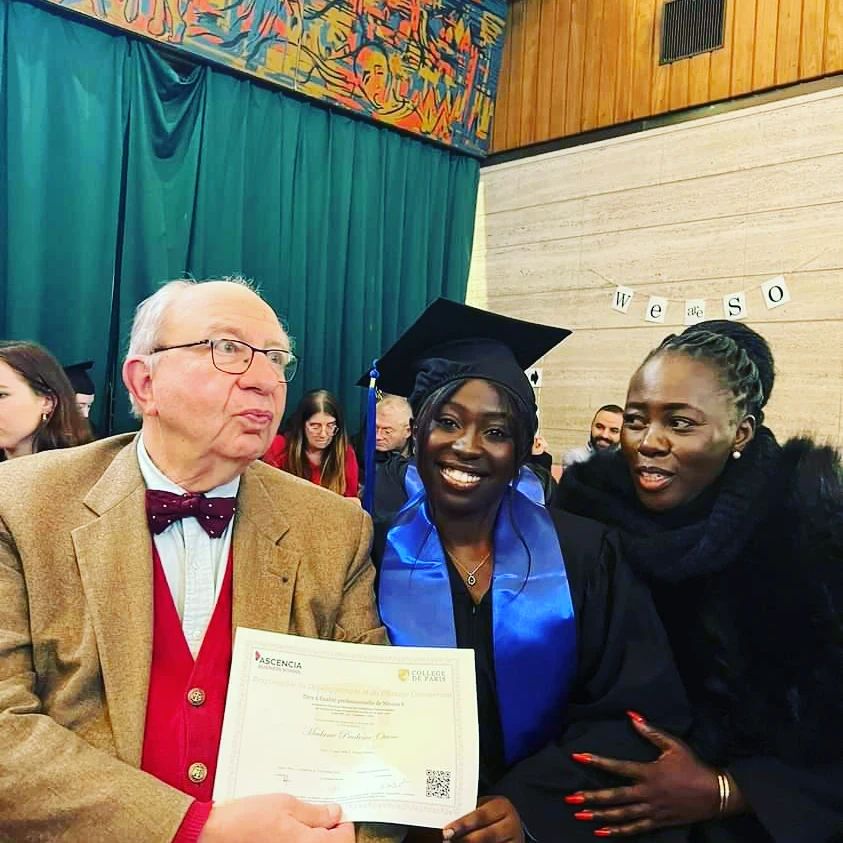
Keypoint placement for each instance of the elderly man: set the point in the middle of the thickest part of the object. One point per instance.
(392, 425)
(124, 566)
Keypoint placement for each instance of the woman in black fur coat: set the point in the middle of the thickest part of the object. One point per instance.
(741, 541)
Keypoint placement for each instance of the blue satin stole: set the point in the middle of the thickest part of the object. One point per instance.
(534, 630)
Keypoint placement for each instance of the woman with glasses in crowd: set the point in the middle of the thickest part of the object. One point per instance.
(741, 541)
(314, 445)
(38, 409)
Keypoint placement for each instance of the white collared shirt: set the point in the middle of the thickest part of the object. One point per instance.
(193, 562)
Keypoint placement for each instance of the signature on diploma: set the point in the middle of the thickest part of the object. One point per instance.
(349, 734)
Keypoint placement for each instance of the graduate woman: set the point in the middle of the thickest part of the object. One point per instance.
(742, 542)
(565, 639)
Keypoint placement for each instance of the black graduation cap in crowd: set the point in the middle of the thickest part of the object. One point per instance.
(79, 378)
(451, 341)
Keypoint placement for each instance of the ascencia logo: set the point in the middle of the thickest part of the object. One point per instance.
(276, 663)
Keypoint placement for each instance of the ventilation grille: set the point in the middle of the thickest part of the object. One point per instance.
(690, 27)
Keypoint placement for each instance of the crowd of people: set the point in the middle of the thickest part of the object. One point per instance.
(658, 637)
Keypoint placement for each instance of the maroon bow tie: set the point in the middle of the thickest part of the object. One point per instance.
(165, 508)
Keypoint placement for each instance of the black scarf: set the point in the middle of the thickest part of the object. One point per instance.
(703, 537)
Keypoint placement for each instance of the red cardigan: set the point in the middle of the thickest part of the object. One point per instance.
(277, 456)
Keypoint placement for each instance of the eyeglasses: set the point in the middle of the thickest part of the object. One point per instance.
(235, 356)
(330, 428)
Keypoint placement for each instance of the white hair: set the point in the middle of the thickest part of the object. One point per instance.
(150, 314)
(396, 402)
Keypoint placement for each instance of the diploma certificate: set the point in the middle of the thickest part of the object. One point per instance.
(389, 733)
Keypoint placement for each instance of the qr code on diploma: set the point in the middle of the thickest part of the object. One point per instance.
(438, 784)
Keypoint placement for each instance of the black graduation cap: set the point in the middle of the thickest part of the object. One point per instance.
(451, 341)
(79, 378)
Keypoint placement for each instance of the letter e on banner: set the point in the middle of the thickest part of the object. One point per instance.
(622, 298)
(734, 306)
(775, 292)
(694, 311)
(656, 309)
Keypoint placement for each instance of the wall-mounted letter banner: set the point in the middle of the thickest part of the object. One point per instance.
(775, 293)
(429, 67)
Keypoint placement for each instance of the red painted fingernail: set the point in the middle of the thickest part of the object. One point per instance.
(635, 716)
(582, 757)
(575, 799)
(602, 832)
(583, 815)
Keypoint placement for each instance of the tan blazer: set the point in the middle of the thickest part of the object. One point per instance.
(76, 627)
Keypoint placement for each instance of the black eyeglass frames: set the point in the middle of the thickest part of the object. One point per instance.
(235, 356)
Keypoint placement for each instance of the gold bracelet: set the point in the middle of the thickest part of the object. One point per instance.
(724, 786)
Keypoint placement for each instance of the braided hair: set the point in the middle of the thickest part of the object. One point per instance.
(741, 356)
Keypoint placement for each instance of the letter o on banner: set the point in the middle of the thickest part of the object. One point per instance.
(775, 292)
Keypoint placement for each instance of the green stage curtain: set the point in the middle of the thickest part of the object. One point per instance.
(62, 109)
(144, 174)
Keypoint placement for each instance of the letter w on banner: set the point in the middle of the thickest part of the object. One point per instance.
(622, 298)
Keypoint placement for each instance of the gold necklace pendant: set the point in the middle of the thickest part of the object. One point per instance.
(470, 576)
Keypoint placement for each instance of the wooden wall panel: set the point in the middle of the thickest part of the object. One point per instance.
(530, 72)
(625, 65)
(702, 208)
(645, 58)
(576, 66)
(544, 76)
(833, 41)
(599, 64)
(812, 37)
(764, 43)
(595, 37)
(559, 62)
(609, 59)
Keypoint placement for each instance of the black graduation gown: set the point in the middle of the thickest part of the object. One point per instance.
(623, 663)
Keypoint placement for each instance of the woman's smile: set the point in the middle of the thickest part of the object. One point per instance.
(459, 479)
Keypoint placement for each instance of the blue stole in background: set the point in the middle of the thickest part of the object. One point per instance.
(534, 630)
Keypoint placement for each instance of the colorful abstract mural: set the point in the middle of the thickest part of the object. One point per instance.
(426, 66)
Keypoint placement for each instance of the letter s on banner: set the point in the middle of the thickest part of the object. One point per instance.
(775, 292)
(622, 298)
(734, 306)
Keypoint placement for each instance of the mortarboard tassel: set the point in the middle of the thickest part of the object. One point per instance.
(369, 454)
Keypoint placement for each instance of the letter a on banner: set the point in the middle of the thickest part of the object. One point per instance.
(694, 311)
(734, 306)
(656, 309)
(622, 298)
(775, 292)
